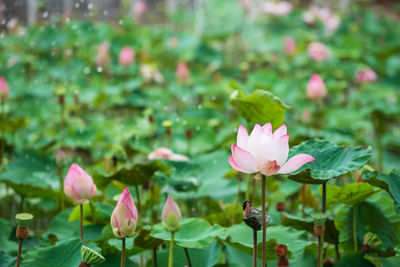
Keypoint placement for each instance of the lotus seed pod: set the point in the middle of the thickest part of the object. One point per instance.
(24, 219)
(319, 230)
(373, 241)
(91, 256)
(319, 218)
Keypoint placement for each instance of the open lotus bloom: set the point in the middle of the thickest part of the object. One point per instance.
(3, 89)
(124, 217)
(166, 153)
(316, 88)
(265, 152)
(78, 185)
(171, 215)
(126, 56)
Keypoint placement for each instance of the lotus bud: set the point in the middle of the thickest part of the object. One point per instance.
(171, 216)
(78, 185)
(4, 92)
(126, 56)
(139, 8)
(367, 75)
(124, 217)
(290, 46)
(319, 52)
(316, 88)
(182, 72)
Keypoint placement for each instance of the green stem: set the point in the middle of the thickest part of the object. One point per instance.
(171, 251)
(264, 223)
(236, 203)
(123, 253)
(248, 186)
(19, 252)
(81, 222)
(355, 229)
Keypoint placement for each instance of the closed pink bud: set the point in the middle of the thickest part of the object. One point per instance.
(171, 215)
(182, 72)
(290, 46)
(367, 75)
(124, 217)
(316, 88)
(126, 56)
(319, 52)
(78, 185)
(4, 92)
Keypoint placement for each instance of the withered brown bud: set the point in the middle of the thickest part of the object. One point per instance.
(319, 230)
(359, 179)
(189, 134)
(282, 262)
(365, 249)
(61, 100)
(84, 264)
(281, 250)
(22, 232)
(280, 206)
(329, 262)
(168, 131)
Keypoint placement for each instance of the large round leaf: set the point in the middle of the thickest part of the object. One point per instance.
(331, 161)
(194, 233)
(351, 194)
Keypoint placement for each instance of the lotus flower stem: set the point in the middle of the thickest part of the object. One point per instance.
(188, 257)
(321, 238)
(236, 202)
(254, 248)
(324, 197)
(155, 257)
(138, 198)
(123, 253)
(81, 222)
(254, 190)
(264, 223)
(171, 251)
(248, 186)
(337, 251)
(303, 193)
(2, 145)
(355, 229)
(19, 252)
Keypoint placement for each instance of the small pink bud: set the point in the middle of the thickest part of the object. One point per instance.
(78, 185)
(171, 215)
(367, 75)
(103, 55)
(319, 52)
(4, 92)
(139, 8)
(124, 217)
(126, 56)
(290, 46)
(182, 72)
(166, 153)
(316, 88)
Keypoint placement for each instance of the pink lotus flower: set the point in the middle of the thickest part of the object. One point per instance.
(171, 216)
(319, 52)
(290, 46)
(139, 8)
(78, 185)
(281, 8)
(308, 18)
(165, 153)
(124, 217)
(367, 75)
(4, 91)
(265, 152)
(316, 88)
(182, 72)
(126, 56)
(103, 55)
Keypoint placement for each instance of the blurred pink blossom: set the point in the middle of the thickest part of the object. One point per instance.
(316, 88)
(139, 8)
(308, 17)
(366, 75)
(173, 42)
(4, 91)
(103, 54)
(126, 56)
(305, 116)
(165, 153)
(319, 52)
(290, 46)
(325, 15)
(280, 8)
(246, 4)
(182, 72)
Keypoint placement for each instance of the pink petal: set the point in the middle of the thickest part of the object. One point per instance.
(171, 207)
(269, 167)
(258, 145)
(295, 163)
(282, 130)
(282, 149)
(268, 129)
(127, 200)
(243, 160)
(242, 137)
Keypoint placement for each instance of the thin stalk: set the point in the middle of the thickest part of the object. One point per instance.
(2, 145)
(355, 229)
(337, 251)
(138, 199)
(236, 203)
(303, 193)
(324, 197)
(248, 186)
(155, 257)
(254, 248)
(171, 251)
(19, 253)
(321, 238)
(81, 222)
(254, 190)
(264, 223)
(61, 181)
(187, 257)
(319, 251)
(123, 253)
